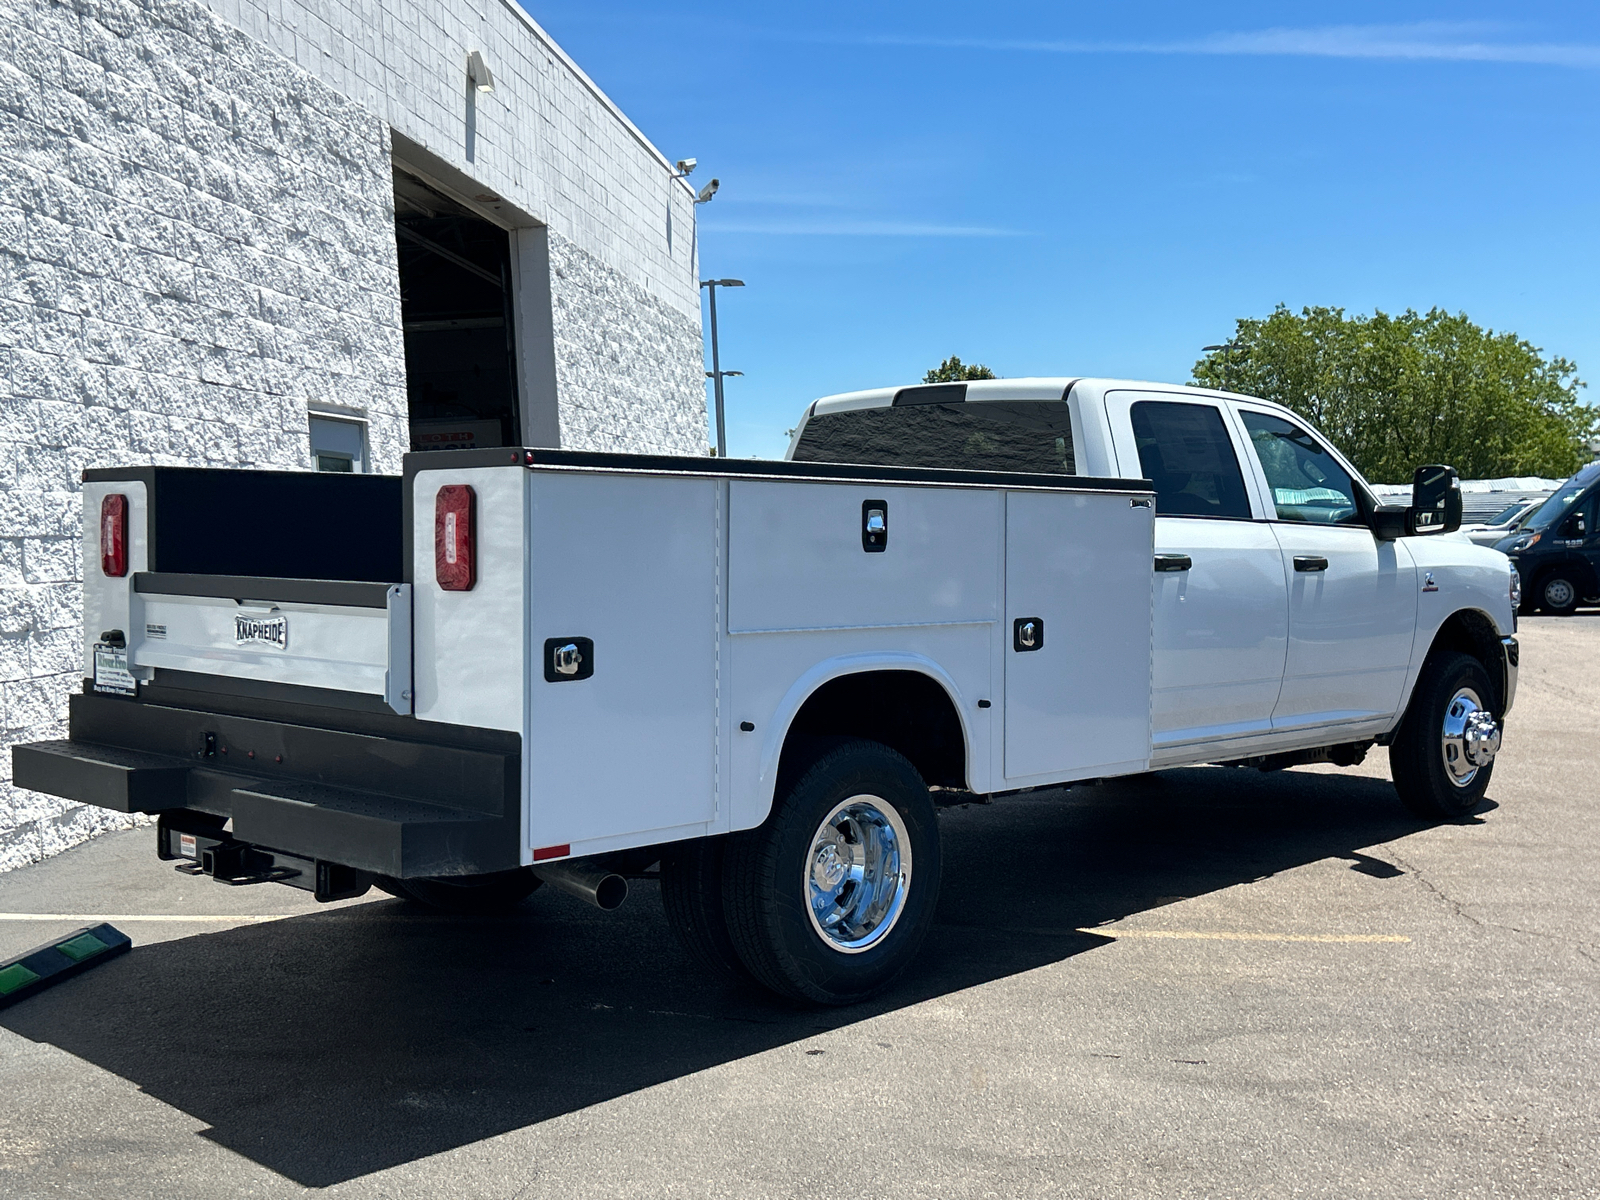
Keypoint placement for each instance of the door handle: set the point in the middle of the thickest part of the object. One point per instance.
(1173, 562)
(1310, 562)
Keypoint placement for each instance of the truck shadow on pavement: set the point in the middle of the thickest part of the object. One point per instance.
(336, 1044)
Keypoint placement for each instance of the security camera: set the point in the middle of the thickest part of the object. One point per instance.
(686, 166)
(708, 191)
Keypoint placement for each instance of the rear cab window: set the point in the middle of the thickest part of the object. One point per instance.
(1033, 436)
(1184, 449)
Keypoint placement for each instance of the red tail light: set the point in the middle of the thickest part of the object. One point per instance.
(455, 559)
(114, 535)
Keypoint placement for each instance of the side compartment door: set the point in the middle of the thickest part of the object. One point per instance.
(1221, 605)
(1077, 673)
(622, 726)
(1352, 598)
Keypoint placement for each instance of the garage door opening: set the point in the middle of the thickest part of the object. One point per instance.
(455, 304)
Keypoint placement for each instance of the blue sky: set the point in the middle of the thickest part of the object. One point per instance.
(1061, 189)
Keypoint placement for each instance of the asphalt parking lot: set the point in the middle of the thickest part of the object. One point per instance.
(1204, 983)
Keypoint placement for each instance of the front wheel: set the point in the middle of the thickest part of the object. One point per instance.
(1443, 755)
(829, 900)
(1558, 594)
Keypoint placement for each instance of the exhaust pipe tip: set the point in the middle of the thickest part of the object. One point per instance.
(610, 892)
(604, 889)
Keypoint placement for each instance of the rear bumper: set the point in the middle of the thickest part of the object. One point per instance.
(398, 807)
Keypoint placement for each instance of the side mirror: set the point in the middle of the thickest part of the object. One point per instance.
(1574, 528)
(1435, 501)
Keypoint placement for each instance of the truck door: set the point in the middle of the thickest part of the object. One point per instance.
(1352, 598)
(1221, 604)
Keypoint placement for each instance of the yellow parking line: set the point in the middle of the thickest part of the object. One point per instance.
(1201, 935)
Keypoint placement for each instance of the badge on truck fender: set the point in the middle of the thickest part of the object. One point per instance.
(111, 674)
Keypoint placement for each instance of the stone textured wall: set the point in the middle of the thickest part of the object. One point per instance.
(196, 243)
(628, 365)
(547, 138)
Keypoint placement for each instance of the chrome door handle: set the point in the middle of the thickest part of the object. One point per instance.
(1173, 562)
(1310, 562)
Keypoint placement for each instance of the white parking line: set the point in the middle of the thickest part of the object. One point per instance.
(96, 918)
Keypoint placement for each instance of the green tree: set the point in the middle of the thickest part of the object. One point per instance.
(953, 370)
(1397, 392)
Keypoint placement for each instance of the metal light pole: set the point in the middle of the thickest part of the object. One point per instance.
(717, 374)
(1227, 362)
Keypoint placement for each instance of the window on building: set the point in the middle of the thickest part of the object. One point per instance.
(977, 435)
(338, 444)
(1184, 449)
(455, 304)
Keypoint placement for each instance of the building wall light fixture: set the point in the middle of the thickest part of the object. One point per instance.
(478, 73)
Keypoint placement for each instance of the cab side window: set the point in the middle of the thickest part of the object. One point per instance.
(1579, 523)
(1307, 482)
(1184, 449)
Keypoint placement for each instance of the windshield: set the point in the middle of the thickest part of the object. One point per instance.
(1504, 516)
(1565, 495)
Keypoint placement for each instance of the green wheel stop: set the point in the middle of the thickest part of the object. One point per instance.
(22, 976)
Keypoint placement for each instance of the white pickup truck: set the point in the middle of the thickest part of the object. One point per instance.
(520, 666)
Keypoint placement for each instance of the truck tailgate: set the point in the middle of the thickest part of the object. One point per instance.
(330, 634)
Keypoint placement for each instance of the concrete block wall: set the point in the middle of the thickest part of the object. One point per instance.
(635, 386)
(196, 246)
(551, 144)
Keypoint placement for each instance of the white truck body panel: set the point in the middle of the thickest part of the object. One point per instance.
(1080, 705)
(110, 603)
(628, 756)
(471, 660)
(788, 569)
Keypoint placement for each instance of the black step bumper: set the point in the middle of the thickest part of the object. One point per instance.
(391, 806)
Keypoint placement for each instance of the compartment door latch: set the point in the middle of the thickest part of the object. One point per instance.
(567, 659)
(874, 525)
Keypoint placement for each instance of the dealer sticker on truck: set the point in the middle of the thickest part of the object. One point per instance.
(111, 674)
(261, 631)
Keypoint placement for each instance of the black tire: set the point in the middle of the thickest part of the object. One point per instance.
(1558, 593)
(473, 895)
(1417, 755)
(767, 878)
(691, 893)
(392, 886)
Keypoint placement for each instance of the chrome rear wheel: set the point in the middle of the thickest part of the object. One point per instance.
(858, 874)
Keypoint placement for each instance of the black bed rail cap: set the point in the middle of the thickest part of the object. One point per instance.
(536, 458)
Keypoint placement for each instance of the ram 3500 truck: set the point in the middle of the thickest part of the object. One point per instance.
(518, 666)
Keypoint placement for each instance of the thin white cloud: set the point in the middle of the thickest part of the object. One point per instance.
(857, 229)
(1433, 40)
